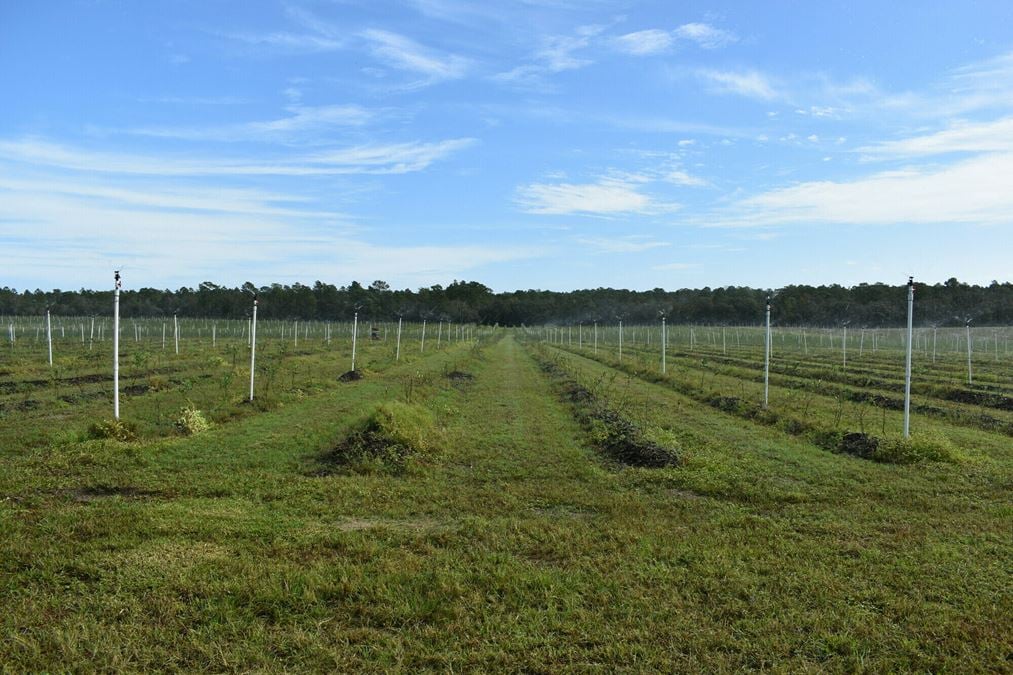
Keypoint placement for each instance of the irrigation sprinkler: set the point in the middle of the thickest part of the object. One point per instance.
(253, 345)
(116, 345)
(766, 360)
(397, 355)
(49, 337)
(967, 325)
(907, 365)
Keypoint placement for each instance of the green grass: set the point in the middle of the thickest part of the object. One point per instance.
(513, 545)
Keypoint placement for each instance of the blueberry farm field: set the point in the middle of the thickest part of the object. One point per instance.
(504, 499)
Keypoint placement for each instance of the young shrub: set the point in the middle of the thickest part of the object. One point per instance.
(919, 447)
(191, 421)
(385, 440)
(115, 429)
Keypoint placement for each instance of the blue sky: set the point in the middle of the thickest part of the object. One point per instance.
(524, 143)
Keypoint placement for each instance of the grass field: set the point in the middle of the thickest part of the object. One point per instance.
(492, 504)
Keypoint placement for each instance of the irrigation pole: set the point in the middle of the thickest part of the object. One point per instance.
(116, 346)
(397, 356)
(766, 360)
(970, 378)
(664, 342)
(253, 344)
(355, 336)
(620, 341)
(907, 365)
(49, 337)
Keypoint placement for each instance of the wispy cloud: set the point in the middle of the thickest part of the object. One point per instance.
(993, 136)
(644, 42)
(607, 196)
(705, 35)
(657, 41)
(974, 191)
(300, 120)
(626, 244)
(679, 177)
(748, 83)
(556, 54)
(392, 158)
(403, 53)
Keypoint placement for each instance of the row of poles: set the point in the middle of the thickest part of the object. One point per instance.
(768, 345)
(253, 341)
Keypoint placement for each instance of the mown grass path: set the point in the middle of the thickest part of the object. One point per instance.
(517, 548)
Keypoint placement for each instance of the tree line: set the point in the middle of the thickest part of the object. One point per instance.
(945, 304)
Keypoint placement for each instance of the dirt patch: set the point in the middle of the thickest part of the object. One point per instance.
(614, 434)
(351, 376)
(858, 444)
(460, 376)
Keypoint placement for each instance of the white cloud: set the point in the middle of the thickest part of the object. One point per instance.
(607, 196)
(164, 235)
(683, 178)
(750, 83)
(628, 244)
(974, 191)
(644, 42)
(994, 136)
(302, 119)
(391, 158)
(705, 35)
(406, 54)
(656, 41)
(556, 54)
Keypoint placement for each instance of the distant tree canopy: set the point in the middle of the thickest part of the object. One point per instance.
(945, 304)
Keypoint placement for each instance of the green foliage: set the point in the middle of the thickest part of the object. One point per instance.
(118, 430)
(386, 439)
(918, 447)
(191, 421)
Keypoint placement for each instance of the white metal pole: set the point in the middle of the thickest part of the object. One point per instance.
(397, 356)
(439, 334)
(970, 378)
(595, 337)
(116, 346)
(49, 337)
(175, 331)
(214, 335)
(620, 341)
(845, 343)
(664, 367)
(766, 360)
(355, 335)
(253, 345)
(907, 364)
(422, 347)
